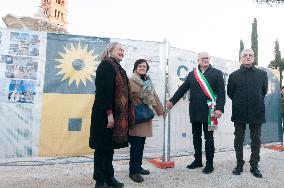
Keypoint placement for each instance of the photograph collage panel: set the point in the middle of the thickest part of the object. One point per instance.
(24, 44)
(21, 91)
(21, 67)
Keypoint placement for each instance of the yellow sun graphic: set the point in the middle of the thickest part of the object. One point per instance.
(77, 64)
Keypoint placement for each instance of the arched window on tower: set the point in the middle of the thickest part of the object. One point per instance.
(45, 12)
(62, 17)
(55, 13)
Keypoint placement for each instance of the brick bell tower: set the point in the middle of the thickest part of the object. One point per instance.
(55, 11)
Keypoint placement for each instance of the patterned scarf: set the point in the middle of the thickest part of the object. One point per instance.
(147, 94)
(124, 115)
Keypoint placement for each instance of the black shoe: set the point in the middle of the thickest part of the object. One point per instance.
(256, 172)
(144, 172)
(208, 169)
(114, 183)
(195, 164)
(136, 177)
(101, 184)
(238, 170)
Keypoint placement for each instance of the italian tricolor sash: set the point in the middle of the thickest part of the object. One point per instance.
(206, 88)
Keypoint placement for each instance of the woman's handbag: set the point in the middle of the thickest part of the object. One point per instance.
(143, 113)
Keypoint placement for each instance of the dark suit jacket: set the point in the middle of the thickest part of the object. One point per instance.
(247, 88)
(198, 108)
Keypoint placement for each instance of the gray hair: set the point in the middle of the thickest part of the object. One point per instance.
(108, 49)
(247, 50)
(203, 53)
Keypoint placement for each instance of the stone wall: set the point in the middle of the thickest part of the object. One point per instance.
(29, 23)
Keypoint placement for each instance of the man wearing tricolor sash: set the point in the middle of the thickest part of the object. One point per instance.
(207, 100)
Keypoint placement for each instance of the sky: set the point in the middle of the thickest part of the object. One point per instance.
(215, 26)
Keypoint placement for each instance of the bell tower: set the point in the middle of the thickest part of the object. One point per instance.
(55, 11)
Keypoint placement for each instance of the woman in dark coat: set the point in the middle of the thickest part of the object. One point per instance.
(112, 114)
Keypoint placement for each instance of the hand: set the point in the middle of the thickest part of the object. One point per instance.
(169, 105)
(218, 113)
(165, 114)
(110, 120)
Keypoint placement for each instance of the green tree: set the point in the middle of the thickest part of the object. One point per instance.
(277, 63)
(241, 48)
(254, 40)
(271, 3)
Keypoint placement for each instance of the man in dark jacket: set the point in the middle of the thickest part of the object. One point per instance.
(247, 87)
(199, 109)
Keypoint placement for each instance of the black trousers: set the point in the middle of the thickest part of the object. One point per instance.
(255, 134)
(103, 169)
(136, 153)
(197, 142)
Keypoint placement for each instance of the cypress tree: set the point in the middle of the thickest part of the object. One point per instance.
(241, 48)
(254, 40)
(277, 63)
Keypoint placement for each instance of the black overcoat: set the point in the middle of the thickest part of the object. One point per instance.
(198, 108)
(100, 135)
(247, 88)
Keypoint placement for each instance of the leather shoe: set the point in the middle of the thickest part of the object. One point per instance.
(195, 164)
(256, 172)
(101, 184)
(144, 172)
(136, 177)
(208, 169)
(114, 183)
(238, 170)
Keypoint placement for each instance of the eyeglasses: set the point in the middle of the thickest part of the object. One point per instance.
(205, 58)
(247, 55)
(142, 66)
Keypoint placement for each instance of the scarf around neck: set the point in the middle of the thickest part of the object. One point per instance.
(123, 112)
(147, 94)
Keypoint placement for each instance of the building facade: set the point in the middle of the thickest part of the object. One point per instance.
(55, 11)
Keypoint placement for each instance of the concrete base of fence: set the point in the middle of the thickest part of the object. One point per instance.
(160, 164)
(275, 147)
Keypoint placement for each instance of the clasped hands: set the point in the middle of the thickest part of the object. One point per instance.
(110, 120)
(217, 113)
